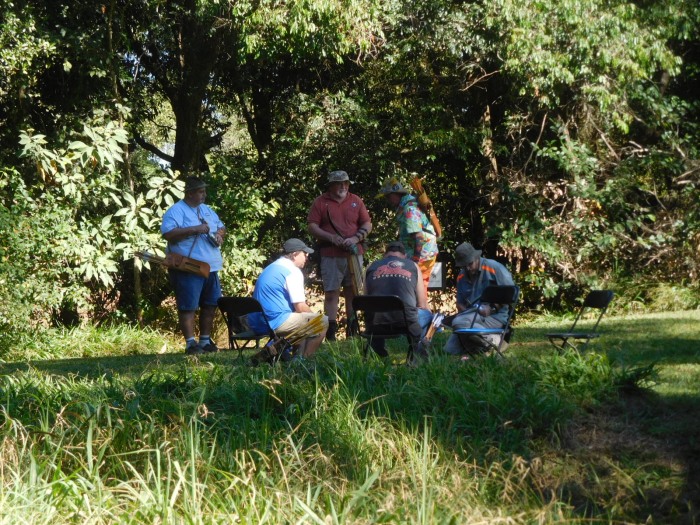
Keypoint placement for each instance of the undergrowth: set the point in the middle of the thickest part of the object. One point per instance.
(337, 439)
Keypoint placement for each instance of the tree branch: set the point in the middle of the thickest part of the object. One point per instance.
(152, 149)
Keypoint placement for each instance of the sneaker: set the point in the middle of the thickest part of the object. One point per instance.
(194, 350)
(332, 329)
(353, 328)
(210, 348)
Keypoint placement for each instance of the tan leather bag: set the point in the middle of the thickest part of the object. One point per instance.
(178, 262)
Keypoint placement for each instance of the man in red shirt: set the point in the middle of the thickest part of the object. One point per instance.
(340, 221)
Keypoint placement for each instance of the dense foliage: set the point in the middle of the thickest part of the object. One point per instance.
(568, 148)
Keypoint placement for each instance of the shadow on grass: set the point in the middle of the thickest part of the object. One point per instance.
(650, 431)
(128, 365)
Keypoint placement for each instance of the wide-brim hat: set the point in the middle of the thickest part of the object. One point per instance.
(465, 254)
(296, 245)
(194, 183)
(339, 176)
(392, 185)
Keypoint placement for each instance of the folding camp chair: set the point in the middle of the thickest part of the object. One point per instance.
(239, 335)
(507, 297)
(365, 306)
(597, 299)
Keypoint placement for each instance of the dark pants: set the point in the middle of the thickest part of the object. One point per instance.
(417, 329)
(378, 344)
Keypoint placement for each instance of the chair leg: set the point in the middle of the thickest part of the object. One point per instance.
(565, 343)
(498, 347)
(585, 344)
(561, 345)
(239, 348)
(469, 350)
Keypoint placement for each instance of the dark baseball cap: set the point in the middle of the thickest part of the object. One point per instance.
(395, 246)
(296, 245)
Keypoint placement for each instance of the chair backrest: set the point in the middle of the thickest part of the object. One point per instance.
(597, 299)
(501, 294)
(234, 308)
(375, 304)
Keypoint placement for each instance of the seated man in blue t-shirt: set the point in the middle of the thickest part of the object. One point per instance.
(280, 291)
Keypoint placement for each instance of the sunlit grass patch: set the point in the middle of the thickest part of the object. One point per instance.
(536, 436)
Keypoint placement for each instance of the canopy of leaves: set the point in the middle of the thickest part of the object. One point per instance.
(561, 136)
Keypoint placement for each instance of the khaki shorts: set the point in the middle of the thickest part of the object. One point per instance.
(335, 273)
(297, 320)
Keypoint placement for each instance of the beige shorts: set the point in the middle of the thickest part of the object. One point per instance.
(298, 320)
(335, 273)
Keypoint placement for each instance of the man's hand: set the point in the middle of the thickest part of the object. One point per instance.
(219, 235)
(484, 310)
(350, 242)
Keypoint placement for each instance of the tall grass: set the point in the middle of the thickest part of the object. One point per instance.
(164, 438)
(335, 440)
(84, 341)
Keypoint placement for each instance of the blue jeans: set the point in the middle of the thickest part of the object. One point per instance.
(193, 291)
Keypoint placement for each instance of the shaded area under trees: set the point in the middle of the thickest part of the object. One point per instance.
(566, 147)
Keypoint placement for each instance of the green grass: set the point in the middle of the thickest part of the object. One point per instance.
(125, 428)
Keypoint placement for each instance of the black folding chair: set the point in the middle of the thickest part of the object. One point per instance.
(239, 335)
(507, 297)
(596, 299)
(366, 306)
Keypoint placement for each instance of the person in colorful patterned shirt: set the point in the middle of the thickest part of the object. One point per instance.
(415, 230)
(475, 275)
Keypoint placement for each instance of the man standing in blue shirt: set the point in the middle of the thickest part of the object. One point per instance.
(194, 230)
(280, 291)
(475, 275)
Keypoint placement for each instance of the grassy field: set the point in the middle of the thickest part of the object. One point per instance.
(124, 428)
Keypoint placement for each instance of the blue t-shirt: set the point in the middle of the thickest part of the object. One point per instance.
(182, 215)
(279, 286)
(490, 273)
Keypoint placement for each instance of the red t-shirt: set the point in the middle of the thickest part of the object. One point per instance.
(347, 216)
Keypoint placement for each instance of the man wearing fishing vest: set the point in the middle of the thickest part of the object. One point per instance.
(476, 273)
(194, 230)
(340, 221)
(280, 291)
(415, 230)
